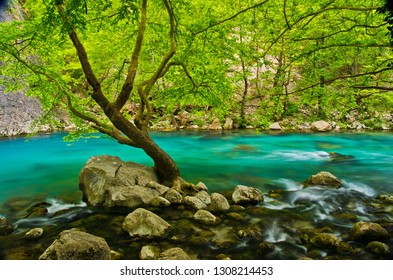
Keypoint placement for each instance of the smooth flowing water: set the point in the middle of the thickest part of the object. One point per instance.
(45, 167)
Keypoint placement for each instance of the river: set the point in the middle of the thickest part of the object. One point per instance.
(46, 168)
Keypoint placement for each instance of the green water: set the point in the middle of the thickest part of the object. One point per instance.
(46, 165)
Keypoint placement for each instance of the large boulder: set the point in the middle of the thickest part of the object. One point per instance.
(325, 179)
(77, 245)
(142, 223)
(368, 231)
(108, 181)
(246, 195)
(321, 126)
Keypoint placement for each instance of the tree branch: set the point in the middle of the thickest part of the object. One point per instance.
(229, 18)
(145, 87)
(382, 88)
(342, 78)
(133, 67)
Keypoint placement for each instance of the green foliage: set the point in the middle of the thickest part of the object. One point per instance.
(304, 59)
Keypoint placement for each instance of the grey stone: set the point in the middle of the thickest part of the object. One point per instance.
(108, 181)
(194, 202)
(77, 245)
(174, 197)
(228, 124)
(321, 126)
(246, 195)
(142, 223)
(174, 254)
(219, 203)
(275, 126)
(205, 217)
(149, 252)
(323, 178)
(204, 197)
(160, 201)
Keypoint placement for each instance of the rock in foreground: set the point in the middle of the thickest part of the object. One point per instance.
(77, 245)
(108, 181)
(246, 195)
(142, 223)
(325, 179)
(367, 231)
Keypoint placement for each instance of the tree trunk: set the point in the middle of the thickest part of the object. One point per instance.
(165, 167)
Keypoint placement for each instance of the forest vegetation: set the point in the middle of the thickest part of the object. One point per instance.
(120, 67)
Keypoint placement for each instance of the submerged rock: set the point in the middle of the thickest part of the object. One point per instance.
(246, 195)
(77, 245)
(108, 181)
(38, 210)
(34, 233)
(378, 248)
(325, 240)
(142, 223)
(367, 231)
(5, 227)
(388, 198)
(265, 248)
(325, 179)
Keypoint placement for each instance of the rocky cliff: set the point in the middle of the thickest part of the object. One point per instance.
(17, 113)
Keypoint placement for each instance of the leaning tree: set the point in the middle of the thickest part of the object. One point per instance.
(85, 54)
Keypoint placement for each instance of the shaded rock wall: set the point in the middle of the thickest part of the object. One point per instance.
(17, 113)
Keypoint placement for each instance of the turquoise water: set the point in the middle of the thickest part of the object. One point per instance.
(47, 166)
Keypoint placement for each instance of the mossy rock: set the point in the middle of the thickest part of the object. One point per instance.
(378, 248)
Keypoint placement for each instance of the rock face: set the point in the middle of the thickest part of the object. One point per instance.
(142, 223)
(246, 195)
(321, 126)
(77, 245)
(108, 181)
(17, 113)
(323, 178)
(5, 227)
(367, 231)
